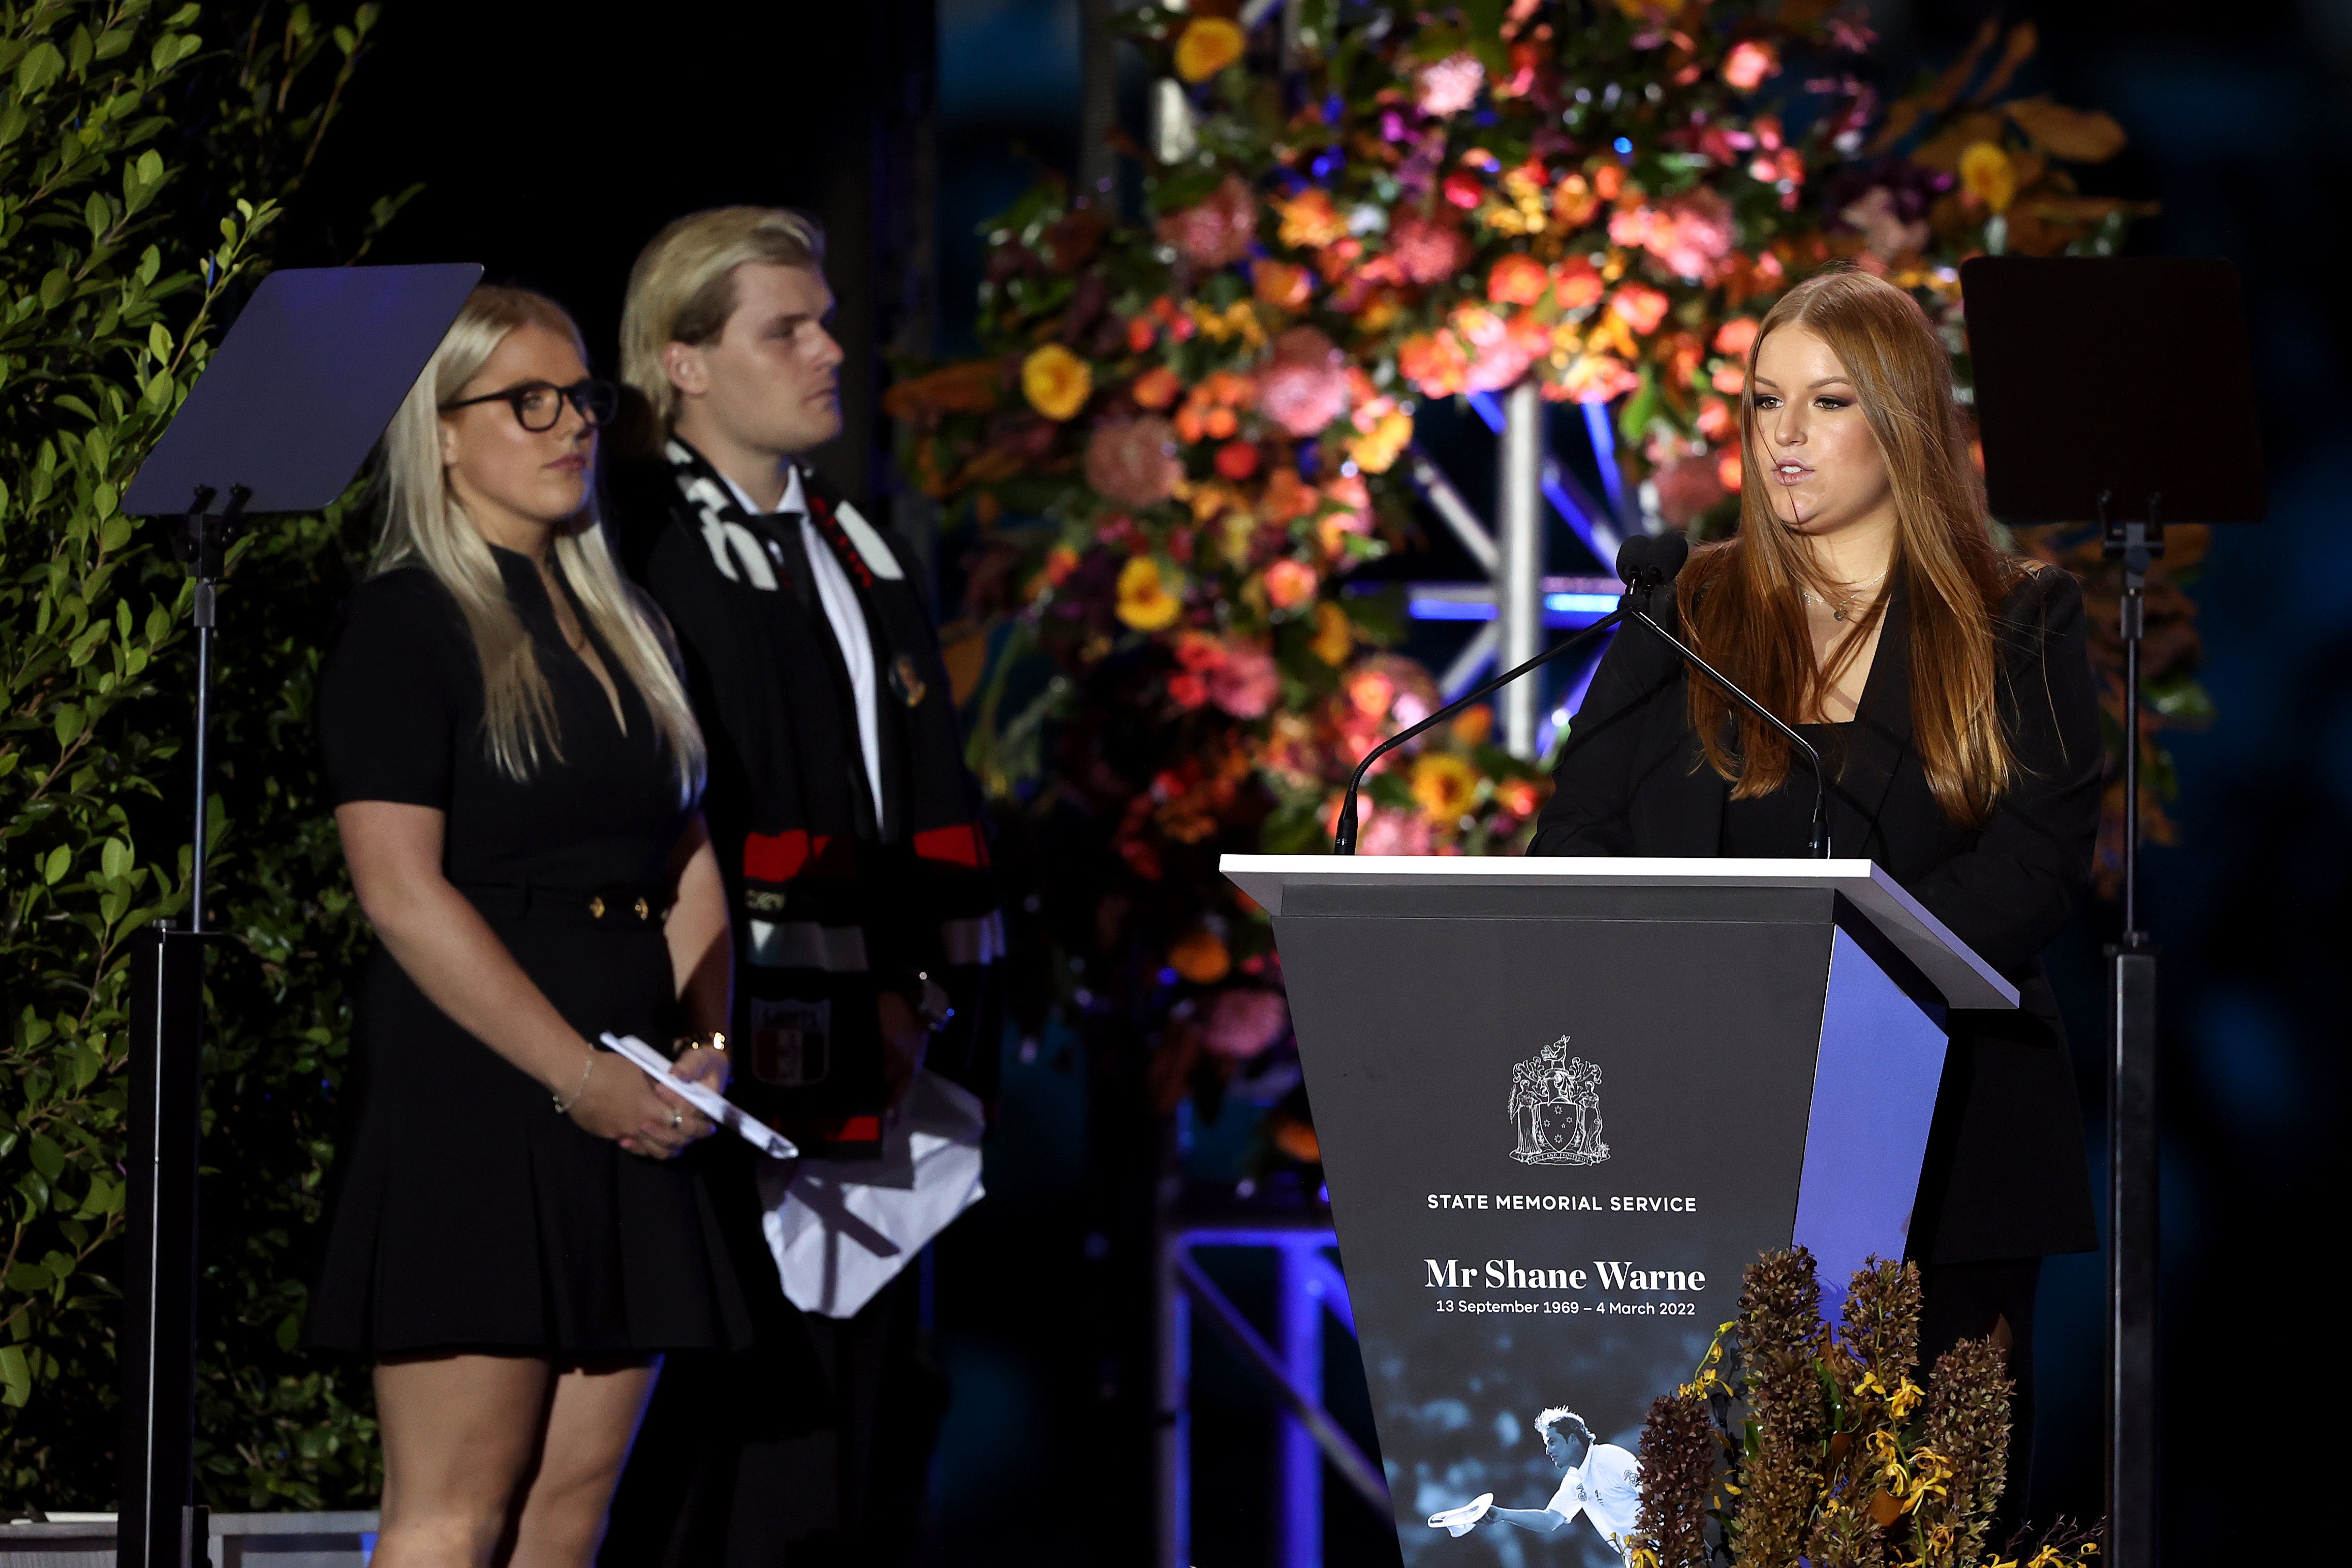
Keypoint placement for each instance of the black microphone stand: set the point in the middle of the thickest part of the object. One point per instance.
(1818, 845)
(1343, 836)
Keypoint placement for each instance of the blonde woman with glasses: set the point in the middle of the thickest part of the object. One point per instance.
(517, 775)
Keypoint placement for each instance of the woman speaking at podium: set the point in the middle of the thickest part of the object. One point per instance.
(515, 770)
(1947, 688)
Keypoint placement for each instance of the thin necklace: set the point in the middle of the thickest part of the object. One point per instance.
(1838, 612)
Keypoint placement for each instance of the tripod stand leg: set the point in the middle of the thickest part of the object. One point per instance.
(2132, 1255)
(158, 1522)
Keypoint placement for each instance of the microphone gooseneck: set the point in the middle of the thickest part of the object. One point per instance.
(1655, 564)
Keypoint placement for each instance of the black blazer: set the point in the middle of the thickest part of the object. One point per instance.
(2006, 1174)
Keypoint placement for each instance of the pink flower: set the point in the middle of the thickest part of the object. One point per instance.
(1133, 461)
(1639, 307)
(1306, 388)
(1246, 684)
(1217, 231)
(1451, 85)
(1393, 832)
(1244, 1021)
(1687, 488)
(1692, 233)
(1426, 251)
(1749, 63)
(1883, 227)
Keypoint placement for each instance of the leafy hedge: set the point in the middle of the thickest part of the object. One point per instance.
(140, 174)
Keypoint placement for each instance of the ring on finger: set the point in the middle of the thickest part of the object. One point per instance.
(677, 1117)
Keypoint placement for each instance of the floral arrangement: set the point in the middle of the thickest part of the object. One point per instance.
(1184, 434)
(1820, 1448)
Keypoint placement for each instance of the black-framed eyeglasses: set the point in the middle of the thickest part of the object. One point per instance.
(538, 404)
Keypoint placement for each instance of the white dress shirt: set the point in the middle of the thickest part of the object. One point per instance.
(1607, 1489)
(847, 618)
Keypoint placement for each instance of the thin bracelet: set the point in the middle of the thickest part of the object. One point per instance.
(563, 1106)
(715, 1041)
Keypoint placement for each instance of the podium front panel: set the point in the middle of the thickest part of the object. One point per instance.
(1557, 1124)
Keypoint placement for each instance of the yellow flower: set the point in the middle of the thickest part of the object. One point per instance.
(1207, 46)
(1145, 601)
(1987, 172)
(1443, 786)
(1906, 1399)
(1335, 640)
(1376, 451)
(1056, 382)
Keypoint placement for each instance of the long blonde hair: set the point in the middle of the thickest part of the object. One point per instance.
(424, 525)
(1740, 599)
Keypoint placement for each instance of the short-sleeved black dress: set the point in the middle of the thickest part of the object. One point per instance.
(469, 1214)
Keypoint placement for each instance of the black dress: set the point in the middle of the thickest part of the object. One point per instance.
(469, 1214)
(2005, 1175)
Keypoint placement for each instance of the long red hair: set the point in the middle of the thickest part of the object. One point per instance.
(1740, 599)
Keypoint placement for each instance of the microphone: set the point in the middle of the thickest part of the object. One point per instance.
(1649, 563)
(1343, 835)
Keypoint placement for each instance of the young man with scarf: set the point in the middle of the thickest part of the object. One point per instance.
(848, 830)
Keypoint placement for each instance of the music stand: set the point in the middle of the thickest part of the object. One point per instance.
(2086, 414)
(283, 415)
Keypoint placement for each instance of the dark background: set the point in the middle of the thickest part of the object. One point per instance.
(553, 144)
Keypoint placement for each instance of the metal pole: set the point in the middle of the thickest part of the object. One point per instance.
(1174, 1527)
(1518, 585)
(1298, 1461)
(2134, 1237)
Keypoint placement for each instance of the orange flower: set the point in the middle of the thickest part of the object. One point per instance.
(1576, 284)
(1237, 460)
(1310, 220)
(1516, 279)
(1060, 562)
(1207, 46)
(1727, 469)
(1434, 363)
(1281, 285)
(1144, 599)
(1289, 584)
(1056, 382)
(1472, 725)
(1639, 307)
(1221, 423)
(1729, 379)
(1157, 387)
(1141, 334)
(1736, 336)
(1749, 63)
(1200, 954)
(1370, 692)
(1608, 181)
(1573, 202)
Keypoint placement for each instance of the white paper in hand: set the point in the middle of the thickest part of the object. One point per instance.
(714, 1105)
(1460, 1521)
(842, 1229)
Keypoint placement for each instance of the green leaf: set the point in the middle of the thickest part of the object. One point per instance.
(67, 722)
(47, 1157)
(114, 858)
(29, 1278)
(55, 867)
(41, 66)
(15, 1379)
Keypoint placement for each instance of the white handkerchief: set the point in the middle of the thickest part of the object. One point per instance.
(842, 1229)
(716, 1107)
(1460, 1521)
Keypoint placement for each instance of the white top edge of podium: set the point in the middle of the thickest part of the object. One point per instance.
(1947, 963)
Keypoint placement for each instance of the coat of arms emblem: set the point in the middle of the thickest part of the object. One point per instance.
(1556, 1107)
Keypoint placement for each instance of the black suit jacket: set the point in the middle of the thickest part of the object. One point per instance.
(2005, 1174)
